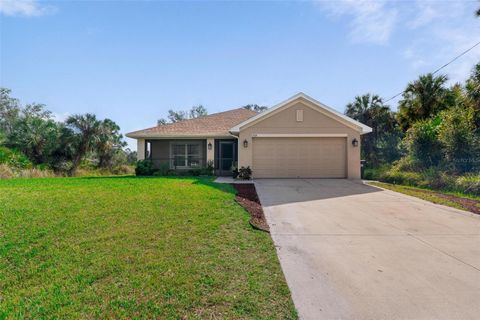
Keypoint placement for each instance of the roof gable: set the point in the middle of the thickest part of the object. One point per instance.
(332, 113)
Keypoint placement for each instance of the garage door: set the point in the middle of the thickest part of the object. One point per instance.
(299, 158)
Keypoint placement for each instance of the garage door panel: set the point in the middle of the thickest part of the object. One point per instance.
(299, 157)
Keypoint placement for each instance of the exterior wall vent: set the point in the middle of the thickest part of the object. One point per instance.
(299, 115)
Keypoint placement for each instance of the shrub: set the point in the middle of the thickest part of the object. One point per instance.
(235, 170)
(375, 173)
(195, 172)
(422, 142)
(468, 184)
(14, 159)
(163, 169)
(245, 173)
(209, 169)
(407, 163)
(144, 168)
(401, 177)
(457, 135)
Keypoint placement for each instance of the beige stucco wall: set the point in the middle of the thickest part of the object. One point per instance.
(140, 149)
(283, 121)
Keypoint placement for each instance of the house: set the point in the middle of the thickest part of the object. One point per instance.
(299, 137)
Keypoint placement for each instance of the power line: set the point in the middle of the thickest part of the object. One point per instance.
(446, 64)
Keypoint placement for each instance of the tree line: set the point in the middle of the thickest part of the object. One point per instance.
(435, 125)
(60, 145)
(198, 111)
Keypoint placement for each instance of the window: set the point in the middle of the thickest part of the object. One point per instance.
(186, 155)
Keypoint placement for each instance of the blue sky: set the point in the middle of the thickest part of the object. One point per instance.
(131, 61)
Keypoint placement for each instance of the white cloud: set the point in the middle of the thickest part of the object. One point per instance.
(372, 21)
(425, 13)
(28, 8)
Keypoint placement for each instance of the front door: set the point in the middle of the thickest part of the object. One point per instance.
(226, 157)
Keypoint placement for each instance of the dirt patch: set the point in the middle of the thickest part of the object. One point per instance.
(247, 197)
(469, 204)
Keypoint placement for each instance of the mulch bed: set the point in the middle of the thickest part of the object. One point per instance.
(469, 204)
(247, 197)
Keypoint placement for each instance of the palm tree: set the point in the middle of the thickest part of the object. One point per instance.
(87, 131)
(110, 141)
(422, 98)
(370, 110)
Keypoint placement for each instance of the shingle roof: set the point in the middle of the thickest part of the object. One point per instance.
(217, 124)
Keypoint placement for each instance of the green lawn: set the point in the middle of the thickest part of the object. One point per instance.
(127, 247)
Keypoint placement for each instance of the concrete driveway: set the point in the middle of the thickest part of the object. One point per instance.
(352, 251)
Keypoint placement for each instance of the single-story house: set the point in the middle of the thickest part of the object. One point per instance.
(297, 138)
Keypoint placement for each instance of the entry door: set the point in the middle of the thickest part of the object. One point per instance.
(226, 157)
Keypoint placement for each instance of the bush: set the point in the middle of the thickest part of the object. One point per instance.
(401, 177)
(457, 135)
(163, 170)
(408, 163)
(144, 168)
(468, 184)
(209, 169)
(374, 173)
(245, 173)
(14, 159)
(195, 172)
(422, 142)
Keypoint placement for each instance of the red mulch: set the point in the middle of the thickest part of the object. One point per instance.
(247, 197)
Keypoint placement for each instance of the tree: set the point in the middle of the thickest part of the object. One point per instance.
(381, 144)
(35, 133)
(198, 111)
(176, 116)
(422, 99)
(457, 135)
(422, 142)
(87, 131)
(472, 87)
(255, 107)
(9, 112)
(110, 142)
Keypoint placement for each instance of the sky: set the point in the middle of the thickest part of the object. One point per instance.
(132, 61)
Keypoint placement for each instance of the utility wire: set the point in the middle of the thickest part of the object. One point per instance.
(446, 64)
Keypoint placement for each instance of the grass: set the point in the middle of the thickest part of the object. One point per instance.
(429, 195)
(134, 248)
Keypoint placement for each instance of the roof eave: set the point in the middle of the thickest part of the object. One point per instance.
(177, 136)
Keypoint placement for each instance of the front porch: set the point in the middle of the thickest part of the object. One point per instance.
(191, 154)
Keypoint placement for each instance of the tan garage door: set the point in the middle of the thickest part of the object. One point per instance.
(299, 157)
